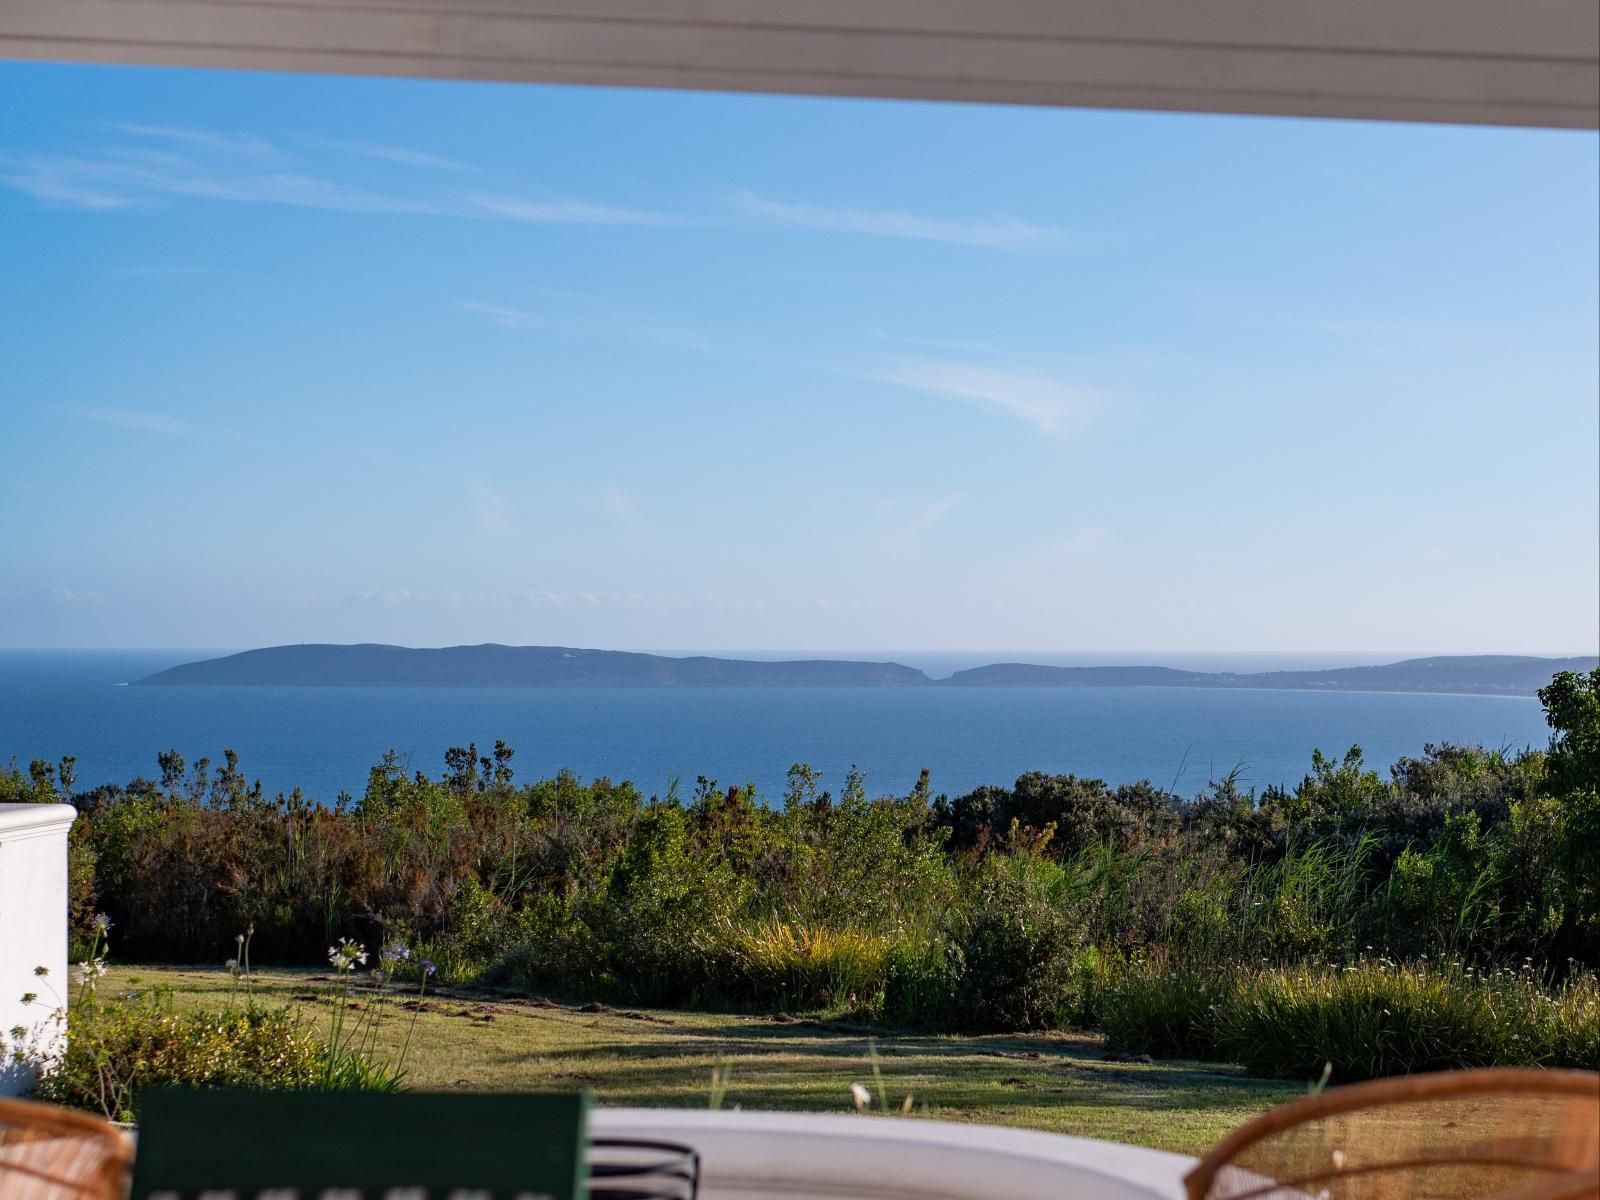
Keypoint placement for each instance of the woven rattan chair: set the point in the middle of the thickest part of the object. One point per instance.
(50, 1153)
(1454, 1135)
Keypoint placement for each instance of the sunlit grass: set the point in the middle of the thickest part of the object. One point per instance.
(484, 1041)
(811, 967)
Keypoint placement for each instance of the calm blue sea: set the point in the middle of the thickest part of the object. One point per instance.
(323, 739)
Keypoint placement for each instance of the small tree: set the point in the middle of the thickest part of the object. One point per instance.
(1572, 708)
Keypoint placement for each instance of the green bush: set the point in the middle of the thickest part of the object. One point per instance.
(114, 1051)
(1015, 950)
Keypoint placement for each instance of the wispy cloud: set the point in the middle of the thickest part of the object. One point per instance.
(402, 156)
(120, 180)
(506, 318)
(391, 598)
(1050, 405)
(997, 234)
(56, 183)
(492, 507)
(582, 314)
(143, 422)
(567, 212)
(930, 515)
(954, 345)
(152, 164)
(618, 502)
(202, 139)
(1087, 538)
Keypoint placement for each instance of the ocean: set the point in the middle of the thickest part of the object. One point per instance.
(322, 740)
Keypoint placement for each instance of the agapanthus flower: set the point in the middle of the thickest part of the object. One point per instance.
(860, 1096)
(233, 965)
(101, 923)
(395, 952)
(427, 966)
(347, 955)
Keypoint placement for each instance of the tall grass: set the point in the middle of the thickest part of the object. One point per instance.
(1155, 1008)
(783, 966)
(1371, 1018)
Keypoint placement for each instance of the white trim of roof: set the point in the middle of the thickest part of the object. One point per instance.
(1527, 62)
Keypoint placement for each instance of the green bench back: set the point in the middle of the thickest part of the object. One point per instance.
(504, 1147)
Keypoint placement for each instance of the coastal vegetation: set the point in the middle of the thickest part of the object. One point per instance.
(1444, 914)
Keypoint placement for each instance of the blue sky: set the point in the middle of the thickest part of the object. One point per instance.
(294, 358)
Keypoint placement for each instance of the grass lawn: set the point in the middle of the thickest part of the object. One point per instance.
(486, 1041)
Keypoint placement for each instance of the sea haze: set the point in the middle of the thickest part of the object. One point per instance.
(324, 739)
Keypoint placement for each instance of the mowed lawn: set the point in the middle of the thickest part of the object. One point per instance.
(478, 1040)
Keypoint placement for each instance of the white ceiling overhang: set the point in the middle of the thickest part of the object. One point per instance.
(1498, 62)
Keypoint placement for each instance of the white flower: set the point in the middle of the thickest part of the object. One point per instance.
(860, 1097)
(347, 955)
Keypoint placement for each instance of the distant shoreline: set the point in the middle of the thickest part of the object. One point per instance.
(496, 666)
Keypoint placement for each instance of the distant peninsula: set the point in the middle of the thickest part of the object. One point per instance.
(373, 665)
(1477, 674)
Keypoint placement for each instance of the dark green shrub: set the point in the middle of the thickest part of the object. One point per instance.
(550, 950)
(1015, 949)
(1081, 811)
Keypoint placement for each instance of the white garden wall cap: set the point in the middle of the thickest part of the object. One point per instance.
(19, 821)
(33, 922)
(787, 1156)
